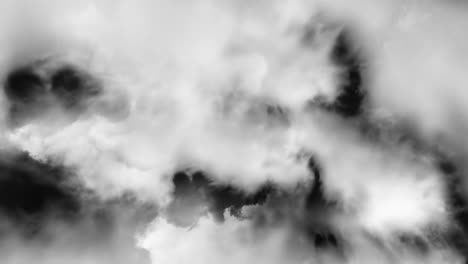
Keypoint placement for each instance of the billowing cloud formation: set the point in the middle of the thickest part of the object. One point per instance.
(298, 131)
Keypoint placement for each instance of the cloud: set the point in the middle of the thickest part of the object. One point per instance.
(133, 93)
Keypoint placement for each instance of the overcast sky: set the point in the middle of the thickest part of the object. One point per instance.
(231, 131)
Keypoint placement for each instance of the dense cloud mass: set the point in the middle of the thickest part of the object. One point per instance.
(231, 131)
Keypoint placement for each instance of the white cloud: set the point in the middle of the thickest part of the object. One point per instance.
(195, 78)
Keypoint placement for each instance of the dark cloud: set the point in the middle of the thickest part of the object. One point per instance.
(40, 207)
(27, 93)
(48, 88)
(347, 55)
(304, 208)
(34, 189)
(73, 87)
(23, 85)
(216, 198)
